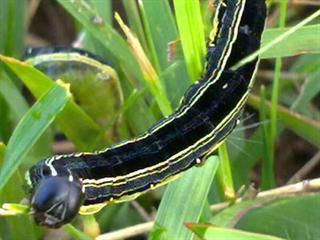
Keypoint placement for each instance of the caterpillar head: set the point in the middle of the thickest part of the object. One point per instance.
(56, 196)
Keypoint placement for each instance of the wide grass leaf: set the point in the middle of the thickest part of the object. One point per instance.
(71, 119)
(291, 218)
(183, 201)
(209, 232)
(31, 127)
(302, 41)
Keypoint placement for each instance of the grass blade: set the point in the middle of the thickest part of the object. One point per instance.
(151, 78)
(17, 227)
(304, 127)
(30, 128)
(280, 39)
(224, 174)
(85, 13)
(267, 178)
(75, 233)
(162, 38)
(290, 218)
(13, 97)
(302, 41)
(12, 27)
(71, 119)
(191, 30)
(135, 22)
(210, 232)
(183, 201)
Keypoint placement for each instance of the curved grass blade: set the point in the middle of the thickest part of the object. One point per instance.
(183, 201)
(71, 119)
(75, 233)
(31, 127)
(210, 232)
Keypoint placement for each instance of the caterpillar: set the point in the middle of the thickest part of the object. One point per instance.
(64, 185)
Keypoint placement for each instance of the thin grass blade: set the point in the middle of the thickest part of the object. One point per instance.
(191, 31)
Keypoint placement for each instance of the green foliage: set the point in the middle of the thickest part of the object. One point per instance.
(172, 36)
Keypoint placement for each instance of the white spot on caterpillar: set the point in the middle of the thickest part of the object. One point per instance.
(225, 86)
(70, 178)
(198, 160)
(238, 121)
(152, 186)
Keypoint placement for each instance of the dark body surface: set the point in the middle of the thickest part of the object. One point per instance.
(208, 112)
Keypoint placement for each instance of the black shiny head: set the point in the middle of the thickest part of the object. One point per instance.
(56, 200)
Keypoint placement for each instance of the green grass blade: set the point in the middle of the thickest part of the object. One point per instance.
(183, 202)
(290, 218)
(302, 41)
(30, 128)
(224, 174)
(75, 233)
(151, 78)
(210, 232)
(135, 22)
(267, 178)
(13, 97)
(304, 127)
(275, 93)
(191, 31)
(280, 39)
(85, 13)
(12, 27)
(104, 8)
(71, 119)
(162, 36)
(309, 91)
(17, 227)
